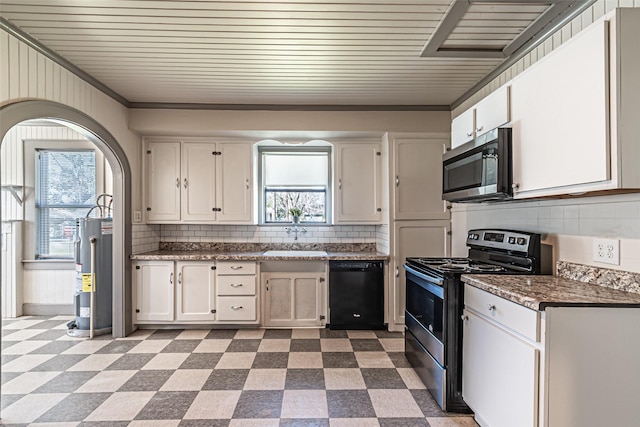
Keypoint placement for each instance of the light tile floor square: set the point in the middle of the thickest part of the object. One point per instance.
(343, 379)
(275, 345)
(186, 380)
(302, 360)
(266, 379)
(26, 363)
(214, 404)
(106, 381)
(394, 404)
(373, 359)
(336, 344)
(166, 361)
(28, 382)
(95, 362)
(212, 346)
(150, 346)
(30, 407)
(236, 361)
(121, 406)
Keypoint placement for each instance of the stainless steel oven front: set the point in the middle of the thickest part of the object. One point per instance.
(433, 335)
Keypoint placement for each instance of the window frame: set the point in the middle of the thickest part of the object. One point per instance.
(320, 149)
(31, 148)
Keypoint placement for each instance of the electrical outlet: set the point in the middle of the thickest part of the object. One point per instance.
(137, 216)
(606, 251)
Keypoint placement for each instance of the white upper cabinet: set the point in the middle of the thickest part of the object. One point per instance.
(233, 182)
(417, 178)
(560, 110)
(357, 183)
(163, 181)
(491, 112)
(463, 128)
(575, 113)
(199, 182)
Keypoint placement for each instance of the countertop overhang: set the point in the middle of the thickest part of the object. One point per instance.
(540, 292)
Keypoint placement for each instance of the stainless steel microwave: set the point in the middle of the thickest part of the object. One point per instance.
(479, 170)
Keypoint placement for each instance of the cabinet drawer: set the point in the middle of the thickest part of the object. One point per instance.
(237, 308)
(237, 285)
(509, 314)
(236, 267)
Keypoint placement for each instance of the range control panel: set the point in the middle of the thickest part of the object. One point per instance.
(501, 239)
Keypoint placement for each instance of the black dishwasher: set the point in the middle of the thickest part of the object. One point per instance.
(356, 295)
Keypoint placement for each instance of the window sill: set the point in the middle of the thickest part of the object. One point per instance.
(49, 264)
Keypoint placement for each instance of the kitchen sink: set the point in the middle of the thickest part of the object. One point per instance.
(294, 253)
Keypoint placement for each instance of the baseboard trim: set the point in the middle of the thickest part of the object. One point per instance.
(30, 309)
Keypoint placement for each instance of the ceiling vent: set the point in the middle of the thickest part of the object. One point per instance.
(493, 28)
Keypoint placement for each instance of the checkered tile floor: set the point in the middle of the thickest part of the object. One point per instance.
(250, 377)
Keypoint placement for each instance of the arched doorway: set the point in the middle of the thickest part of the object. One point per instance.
(15, 113)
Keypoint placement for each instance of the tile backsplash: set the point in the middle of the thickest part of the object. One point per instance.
(148, 237)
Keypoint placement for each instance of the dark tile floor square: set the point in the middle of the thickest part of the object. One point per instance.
(304, 422)
(54, 347)
(129, 362)
(167, 405)
(333, 333)
(165, 334)
(403, 422)
(305, 345)
(277, 334)
(382, 378)
(75, 407)
(224, 334)
(304, 379)
(52, 335)
(259, 404)
(61, 362)
(150, 380)
(48, 324)
(366, 345)
(339, 360)
(201, 361)
(349, 404)
(66, 382)
(268, 360)
(120, 346)
(9, 399)
(226, 379)
(399, 360)
(241, 346)
(203, 423)
(181, 346)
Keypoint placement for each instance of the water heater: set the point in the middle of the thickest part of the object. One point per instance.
(93, 254)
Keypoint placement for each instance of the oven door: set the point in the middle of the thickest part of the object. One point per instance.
(425, 312)
(480, 169)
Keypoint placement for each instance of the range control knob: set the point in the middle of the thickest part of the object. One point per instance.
(512, 240)
(522, 240)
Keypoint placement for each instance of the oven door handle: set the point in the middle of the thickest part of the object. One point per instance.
(432, 279)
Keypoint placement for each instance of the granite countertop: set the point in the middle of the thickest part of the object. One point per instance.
(207, 255)
(540, 292)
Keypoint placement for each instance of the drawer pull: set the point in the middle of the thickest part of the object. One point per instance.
(464, 318)
(236, 285)
(236, 307)
(491, 307)
(356, 315)
(236, 267)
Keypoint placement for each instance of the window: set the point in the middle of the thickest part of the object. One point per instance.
(65, 190)
(295, 178)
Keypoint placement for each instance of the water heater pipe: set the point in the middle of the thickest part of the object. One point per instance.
(93, 285)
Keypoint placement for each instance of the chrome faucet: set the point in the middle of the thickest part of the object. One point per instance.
(295, 229)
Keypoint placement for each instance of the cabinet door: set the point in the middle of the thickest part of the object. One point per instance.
(198, 181)
(492, 111)
(233, 183)
(195, 291)
(462, 128)
(417, 179)
(154, 290)
(560, 119)
(293, 299)
(415, 239)
(499, 375)
(357, 183)
(163, 181)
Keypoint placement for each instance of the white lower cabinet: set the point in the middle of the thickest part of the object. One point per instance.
(153, 282)
(562, 367)
(499, 374)
(196, 291)
(237, 297)
(293, 299)
(168, 292)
